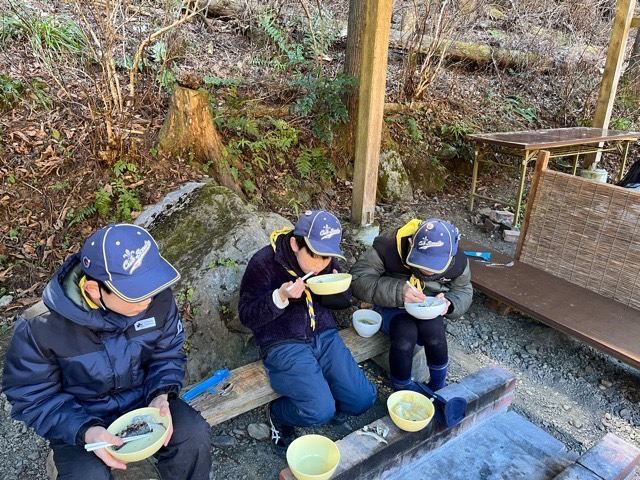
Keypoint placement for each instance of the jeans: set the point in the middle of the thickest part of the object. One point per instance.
(316, 379)
(186, 457)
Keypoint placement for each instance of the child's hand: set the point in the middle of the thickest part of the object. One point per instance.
(100, 434)
(162, 402)
(291, 289)
(445, 308)
(412, 295)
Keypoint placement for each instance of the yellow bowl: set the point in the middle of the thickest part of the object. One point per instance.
(330, 283)
(313, 457)
(410, 411)
(143, 448)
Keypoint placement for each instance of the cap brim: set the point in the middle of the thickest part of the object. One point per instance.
(131, 289)
(433, 263)
(320, 249)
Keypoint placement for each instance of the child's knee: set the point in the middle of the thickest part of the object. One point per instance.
(319, 413)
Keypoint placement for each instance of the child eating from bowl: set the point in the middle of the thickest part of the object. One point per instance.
(110, 342)
(307, 362)
(404, 266)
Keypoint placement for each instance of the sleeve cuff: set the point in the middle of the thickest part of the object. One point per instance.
(83, 429)
(278, 301)
(170, 390)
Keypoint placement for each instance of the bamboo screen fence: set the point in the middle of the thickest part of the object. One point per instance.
(587, 233)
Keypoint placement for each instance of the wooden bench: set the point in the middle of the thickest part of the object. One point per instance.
(252, 388)
(577, 266)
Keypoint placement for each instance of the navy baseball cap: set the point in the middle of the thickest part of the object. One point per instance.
(434, 246)
(126, 259)
(322, 232)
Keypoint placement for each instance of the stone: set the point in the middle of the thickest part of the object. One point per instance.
(576, 422)
(393, 180)
(511, 236)
(504, 217)
(489, 226)
(606, 383)
(259, 431)
(625, 413)
(223, 441)
(5, 300)
(531, 349)
(209, 237)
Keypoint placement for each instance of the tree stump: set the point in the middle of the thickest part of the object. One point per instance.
(189, 130)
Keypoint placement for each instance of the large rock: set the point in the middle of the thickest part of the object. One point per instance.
(209, 238)
(393, 181)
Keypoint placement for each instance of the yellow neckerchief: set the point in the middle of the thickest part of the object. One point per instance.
(90, 302)
(409, 230)
(307, 293)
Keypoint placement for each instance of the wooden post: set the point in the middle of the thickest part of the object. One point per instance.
(612, 68)
(541, 165)
(371, 90)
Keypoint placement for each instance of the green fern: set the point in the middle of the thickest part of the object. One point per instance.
(304, 163)
(103, 202)
(79, 216)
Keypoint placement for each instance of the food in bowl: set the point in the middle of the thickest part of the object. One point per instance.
(137, 450)
(366, 322)
(139, 425)
(410, 411)
(313, 457)
(329, 284)
(429, 309)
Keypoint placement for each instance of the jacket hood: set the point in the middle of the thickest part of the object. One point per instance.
(62, 295)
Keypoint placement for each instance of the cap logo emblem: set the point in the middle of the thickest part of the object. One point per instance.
(425, 244)
(328, 232)
(86, 262)
(133, 258)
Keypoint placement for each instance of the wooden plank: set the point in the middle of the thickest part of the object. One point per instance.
(251, 387)
(371, 93)
(612, 68)
(598, 321)
(541, 165)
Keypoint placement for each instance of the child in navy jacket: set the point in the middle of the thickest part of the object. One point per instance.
(305, 357)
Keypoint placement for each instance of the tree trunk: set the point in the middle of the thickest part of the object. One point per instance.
(189, 130)
(352, 66)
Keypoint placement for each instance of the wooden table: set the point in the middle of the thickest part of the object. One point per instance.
(561, 142)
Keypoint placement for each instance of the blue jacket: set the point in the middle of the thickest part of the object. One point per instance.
(75, 367)
(267, 271)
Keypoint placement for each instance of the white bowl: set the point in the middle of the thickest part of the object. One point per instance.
(366, 322)
(427, 310)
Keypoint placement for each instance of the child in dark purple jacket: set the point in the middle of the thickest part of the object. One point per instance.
(305, 357)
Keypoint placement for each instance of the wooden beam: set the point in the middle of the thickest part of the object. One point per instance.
(371, 92)
(541, 165)
(612, 68)
(251, 387)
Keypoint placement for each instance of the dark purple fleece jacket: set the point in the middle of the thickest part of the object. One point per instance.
(266, 271)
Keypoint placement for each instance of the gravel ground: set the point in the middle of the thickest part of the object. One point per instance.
(567, 388)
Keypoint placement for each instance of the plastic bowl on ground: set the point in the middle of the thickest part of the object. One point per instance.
(410, 411)
(329, 284)
(313, 457)
(140, 449)
(366, 322)
(429, 309)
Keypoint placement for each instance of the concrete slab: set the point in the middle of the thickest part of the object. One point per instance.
(507, 447)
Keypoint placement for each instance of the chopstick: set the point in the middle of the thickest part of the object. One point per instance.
(90, 447)
(303, 279)
(414, 289)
